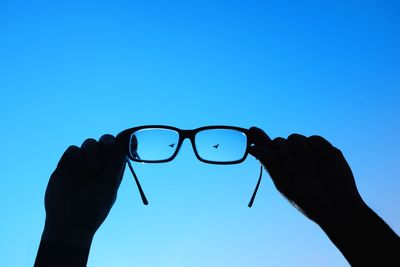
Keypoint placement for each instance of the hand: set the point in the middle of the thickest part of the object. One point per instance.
(311, 173)
(315, 177)
(82, 190)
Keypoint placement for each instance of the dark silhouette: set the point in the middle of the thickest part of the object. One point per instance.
(311, 173)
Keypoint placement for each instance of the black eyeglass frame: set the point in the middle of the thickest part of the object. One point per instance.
(191, 135)
(183, 134)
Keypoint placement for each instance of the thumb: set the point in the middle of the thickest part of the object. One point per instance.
(261, 147)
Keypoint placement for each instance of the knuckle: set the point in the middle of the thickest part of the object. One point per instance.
(316, 139)
(88, 142)
(337, 151)
(319, 142)
(294, 138)
(279, 140)
(72, 149)
(107, 138)
(71, 153)
(279, 144)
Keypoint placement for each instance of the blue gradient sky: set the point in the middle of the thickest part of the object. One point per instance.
(74, 70)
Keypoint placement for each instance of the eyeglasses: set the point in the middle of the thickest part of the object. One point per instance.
(211, 144)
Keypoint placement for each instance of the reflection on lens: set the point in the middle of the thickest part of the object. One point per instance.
(221, 145)
(153, 144)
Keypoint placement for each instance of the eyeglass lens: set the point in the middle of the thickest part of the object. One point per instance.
(153, 144)
(221, 145)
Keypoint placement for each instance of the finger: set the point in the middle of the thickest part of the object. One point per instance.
(298, 148)
(258, 153)
(259, 137)
(319, 147)
(322, 149)
(69, 156)
(283, 168)
(91, 156)
(327, 160)
(115, 165)
(107, 140)
(261, 148)
(106, 144)
(330, 161)
(89, 145)
(69, 168)
(71, 161)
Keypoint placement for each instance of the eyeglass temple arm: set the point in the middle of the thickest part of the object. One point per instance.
(142, 195)
(256, 189)
(145, 202)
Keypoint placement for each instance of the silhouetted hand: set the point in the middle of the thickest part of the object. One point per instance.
(315, 177)
(311, 173)
(81, 192)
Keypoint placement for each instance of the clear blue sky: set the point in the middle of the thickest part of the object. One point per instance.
(77, 69)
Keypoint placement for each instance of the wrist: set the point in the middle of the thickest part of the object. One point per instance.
(344, 215)
(66, 235)
(54, 253)
(362, 236)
